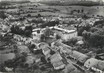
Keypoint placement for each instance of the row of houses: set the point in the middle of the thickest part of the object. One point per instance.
(55, 58)
(81, 59)
(94, 64)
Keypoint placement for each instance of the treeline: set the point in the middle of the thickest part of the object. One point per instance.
(26, 32)
(68, 3)
(93, 35)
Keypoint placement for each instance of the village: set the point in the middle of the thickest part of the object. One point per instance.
(37, 40)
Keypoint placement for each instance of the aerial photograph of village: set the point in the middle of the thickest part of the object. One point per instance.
(51, 36)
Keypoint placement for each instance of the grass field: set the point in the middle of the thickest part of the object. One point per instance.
(46, 10)
(93, 10)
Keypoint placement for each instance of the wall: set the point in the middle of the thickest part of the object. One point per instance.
(69, 35)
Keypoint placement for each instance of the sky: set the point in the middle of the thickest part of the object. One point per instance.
(43, 0)
(88, 0)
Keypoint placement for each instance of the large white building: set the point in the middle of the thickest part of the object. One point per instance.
(65, 33)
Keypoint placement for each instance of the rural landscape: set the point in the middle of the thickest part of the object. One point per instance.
(51, 36)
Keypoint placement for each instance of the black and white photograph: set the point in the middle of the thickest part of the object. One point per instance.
(51, 36)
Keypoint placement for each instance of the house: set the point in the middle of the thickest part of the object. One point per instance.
(45, 49)
(4, 27)
(70, 68)
(80, 42)
(94, 63)
(8, 69)
(56, 61)
(58, 65)
(42, 44)
(46, 52)
(63, 47)
(59, 43)
(23, 48)
(30, 60)
(80, 58)
(101, 65)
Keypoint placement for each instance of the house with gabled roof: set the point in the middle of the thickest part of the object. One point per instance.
(80, 57)
(45, 49)
(56, 61)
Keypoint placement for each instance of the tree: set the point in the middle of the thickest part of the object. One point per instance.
(39, 15)
(82, 10)
(33, 46)
(2, 15)
(58, 36)
(71, 41)
(28, 15)
(26, 65)
(48, 32)
(42, 38)
(85, 16)
(94, 38)
(35, 67)
(2, 68)
(94, 29)
(43, 68)
(52, 52)
(86, 35)
(38, 31)
(28, 28)
(28, 33)
(86, 26)
(50, 23)
(38, 52)
(9, 63)
(43, 60)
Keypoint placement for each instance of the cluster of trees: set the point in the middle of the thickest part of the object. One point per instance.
(27, 32)
(2, 15)
(3, 4)
(71, 41)
(50, 23)
(29, 15)
(17, 19)
(46, 34)
(95, 36)
(85, 26)
(17, 61)
(37, 21)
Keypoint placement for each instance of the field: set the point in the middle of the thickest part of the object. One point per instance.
(47, 10)
(66, 10)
